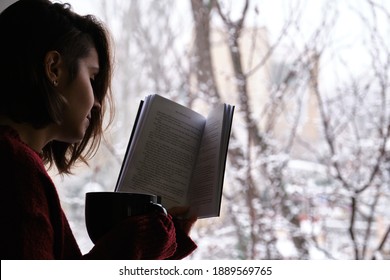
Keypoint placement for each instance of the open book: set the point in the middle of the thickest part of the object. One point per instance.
(178, 154)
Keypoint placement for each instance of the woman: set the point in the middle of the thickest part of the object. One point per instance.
(55, 69)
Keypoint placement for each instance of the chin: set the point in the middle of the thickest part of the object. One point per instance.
(81, 137)
(72, 134)
(76, 137)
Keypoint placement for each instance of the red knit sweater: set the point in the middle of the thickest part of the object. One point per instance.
(34, 225)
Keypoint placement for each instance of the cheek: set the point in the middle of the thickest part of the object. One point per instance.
(84, 95)
(89, 97)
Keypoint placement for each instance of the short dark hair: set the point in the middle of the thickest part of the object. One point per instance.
(29, 29)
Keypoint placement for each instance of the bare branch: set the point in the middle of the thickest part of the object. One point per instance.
(352, 227)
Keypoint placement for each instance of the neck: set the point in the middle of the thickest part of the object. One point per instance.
(33, 137)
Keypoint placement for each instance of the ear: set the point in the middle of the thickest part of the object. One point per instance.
(53, 67)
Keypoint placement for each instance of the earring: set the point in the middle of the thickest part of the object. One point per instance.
(55, 83)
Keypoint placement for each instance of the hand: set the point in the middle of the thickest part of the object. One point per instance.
(182, 219)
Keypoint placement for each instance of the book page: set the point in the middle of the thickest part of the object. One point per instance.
(163, 152)
(205, 186)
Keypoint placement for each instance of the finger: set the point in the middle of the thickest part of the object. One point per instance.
(179, 211)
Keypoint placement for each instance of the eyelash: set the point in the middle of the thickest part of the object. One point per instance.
(93, 82)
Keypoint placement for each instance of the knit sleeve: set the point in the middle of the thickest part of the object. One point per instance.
(27, 232)
(185, 245)
(139, 237)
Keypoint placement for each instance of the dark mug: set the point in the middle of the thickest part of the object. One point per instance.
(103, 210)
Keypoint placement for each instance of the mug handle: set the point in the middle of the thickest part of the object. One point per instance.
(158, 208)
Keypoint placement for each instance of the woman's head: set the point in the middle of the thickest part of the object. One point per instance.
(29, 31)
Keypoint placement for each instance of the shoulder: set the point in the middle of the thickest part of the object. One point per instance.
(15, 153)
(27, 190)
(22, 172)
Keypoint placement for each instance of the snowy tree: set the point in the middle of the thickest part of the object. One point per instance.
(270, 199)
